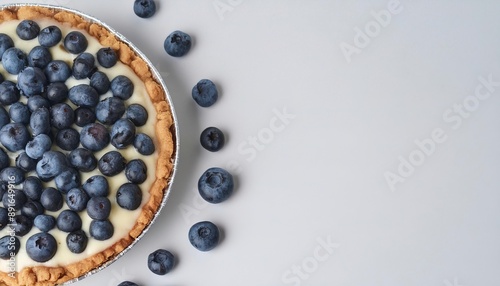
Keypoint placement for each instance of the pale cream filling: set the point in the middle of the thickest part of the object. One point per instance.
(122, 220)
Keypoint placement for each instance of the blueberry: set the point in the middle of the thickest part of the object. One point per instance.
(57, 71)
(101, 229)
(4, 218)
(68, 221)
(144, 144)
(136, 171)
(100, 82)
(36, 102)
(68, 139)
(129, 196)
(14, 198)
(204, 235)
(39, 145)
(137, 114)
(40, 121)
(77, 241)
(9, 245)
(14, 60)
(4, 117)
(50, 36)
(41, 247)
(39, 57)
(52, 164)
(57, 92)
(1, 77)
(75, 42)
(122, 133)
(177, 44)
(6, 43)
(51, 199)
(4, 187)
(109, 110)
(83, 66)
(31, 209)
(14, 136)
(25, 162)
(27, 30)
(84, 116)
(82, 159)
(32, 81)
(98, 208)
(61, 115)
(215, 185)
(4, 159)
(19, 113)
(45, 222)
(205, 93)
(122, 87)
(212, 139)
(144, 8)
(77, 199)
(161, 261)
(96, 186)
(12, 175)
(107, 57)
(111, 163)
(127, 283)
(83, 95)
(33, 187)
(22, 225)
(94, 137)
(67, 180)
(9, 93)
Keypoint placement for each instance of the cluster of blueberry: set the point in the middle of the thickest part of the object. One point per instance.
(39, 128)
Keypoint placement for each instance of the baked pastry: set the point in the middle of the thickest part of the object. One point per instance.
(87, 145)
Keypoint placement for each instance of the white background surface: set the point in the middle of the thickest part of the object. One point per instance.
(319, 175)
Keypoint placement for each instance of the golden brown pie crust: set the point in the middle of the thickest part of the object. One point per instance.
(164, 142)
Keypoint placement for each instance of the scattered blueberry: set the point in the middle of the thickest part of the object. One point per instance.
(4, 117)
(57, 92)
(82, 159)
(4, 217)
(136, 171)
(6, 43)
(19, 113)
(127, 283)
(4, 159)
(51, 199)
(177, 44)
(137, 114)
(45, 222)
(39, 145)
(61, 115)
(161, 261)
(31, 81)
(83, 95)
(129, 196)
(111, 163)
(98, 208)
(83, 66)
(22, 225)
(33, 187)
(12, 175)
(68, 221)
(77, 199)
(14, 136)
(205, 93)
(144, 144)
(52, 164)
(144, 8)
(84, 116)
(14, 60)
(16, 199)
(67, 180)
(109, 110)
(122, 133)
(122, 87)
(9, 93)
(75, 42)
(215, 185)
(31, 209)
(27, 30)
(101, 229)
(9, 244)
(36, 102)
(96, 186)
(50, 36)
(57, 71)
(94, 137)
(40, 121)
(107, 57)
(204, 235)
(68, 139)
(77, 241)
(41, 247)
(212, 139)
(25, 162)
(39, 57)
(100, 82)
